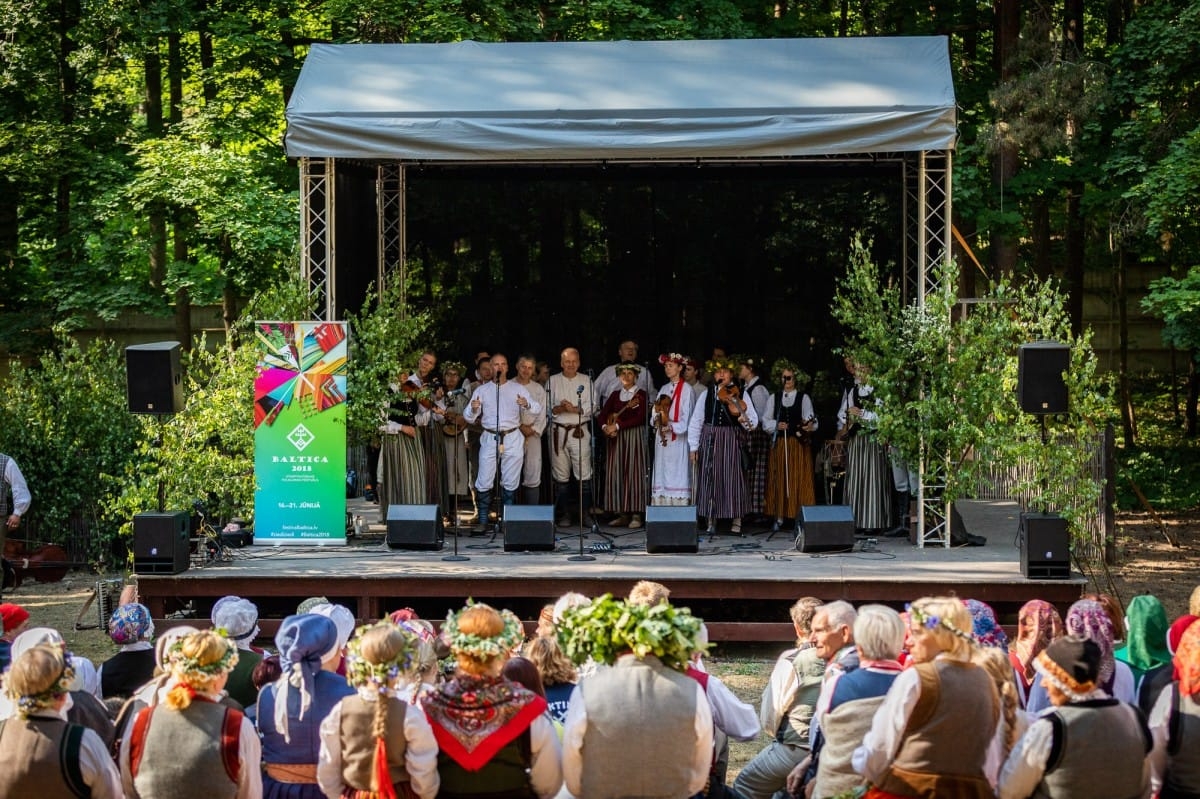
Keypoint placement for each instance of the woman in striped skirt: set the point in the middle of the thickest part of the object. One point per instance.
(713, 440)
(789, 421)
(868, 473)
(623, 418)
(401, 459)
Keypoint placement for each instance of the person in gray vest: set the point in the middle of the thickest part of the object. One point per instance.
(191, 746)
(638, 727)
(41, 753)
(1088, 744)
(1175, 724)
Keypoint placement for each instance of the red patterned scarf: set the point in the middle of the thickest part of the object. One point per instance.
(473, 718)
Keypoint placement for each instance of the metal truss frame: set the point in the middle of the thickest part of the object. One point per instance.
(927, 245)
(391, 207)
(318, 253)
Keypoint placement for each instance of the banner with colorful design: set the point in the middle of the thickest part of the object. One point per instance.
(300, 433)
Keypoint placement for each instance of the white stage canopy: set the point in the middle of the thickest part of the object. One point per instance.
(595, 101)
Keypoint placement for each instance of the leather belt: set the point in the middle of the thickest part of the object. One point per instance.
(575, 430)
(294, 773)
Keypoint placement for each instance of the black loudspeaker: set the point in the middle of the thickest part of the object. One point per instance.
(414, 527)
(153, 379)
(825, 528)
(1040, 384)
(161, 542)
(528, 528)
(672, 528)
(1045, 547)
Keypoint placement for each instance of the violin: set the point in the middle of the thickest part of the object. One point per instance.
(731, 395)
(662, 408)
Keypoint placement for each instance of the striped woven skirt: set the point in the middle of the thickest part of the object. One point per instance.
(722, 483)
(625, 472)
(758, 444)
(403, 480)
(868, 483)
(789, 478)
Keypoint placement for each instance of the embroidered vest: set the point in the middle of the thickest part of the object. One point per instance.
(186, 754)
(715, 413)
(358, 741)
(40, 757)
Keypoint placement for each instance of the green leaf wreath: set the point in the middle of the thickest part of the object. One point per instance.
(607, 628)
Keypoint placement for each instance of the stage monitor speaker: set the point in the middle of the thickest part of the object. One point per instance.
(825, 528)
(161, 542)
(153, 378)
(414, 527)
(672, 528)
(1045, 547)
(528, 528)
(1040, 384)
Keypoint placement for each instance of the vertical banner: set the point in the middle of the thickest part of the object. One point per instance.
(300, 433)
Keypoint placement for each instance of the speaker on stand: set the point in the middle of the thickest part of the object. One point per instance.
(153, 379)
(1045, 547)
(1041, 388)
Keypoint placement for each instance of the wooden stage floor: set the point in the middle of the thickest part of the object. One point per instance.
(742, 586)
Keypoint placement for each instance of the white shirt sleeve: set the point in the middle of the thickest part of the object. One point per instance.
(703, 753)
(807, 412)
(574, 726)
(545, 773)
(98, 769)
(770, 416)
(420, 753)
(1159, 724)
(20, 489)
(732, 716)
(329, 759)
(696, 422)
(1026, 762)
(879, 746)
(250, 756)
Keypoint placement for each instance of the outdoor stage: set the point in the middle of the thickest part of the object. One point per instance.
(742, 586)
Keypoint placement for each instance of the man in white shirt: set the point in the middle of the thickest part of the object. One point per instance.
(533, 425)
(572, 405)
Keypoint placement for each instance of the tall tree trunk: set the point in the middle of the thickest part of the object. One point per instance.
(68, 21)
(1040, 229)
(1004, 167)
(1128, 422)
(1075, 245)
(157, 221)
(174, 78)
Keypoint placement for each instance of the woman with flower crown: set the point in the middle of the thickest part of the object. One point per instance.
(374, 745)
(402, 462)
(931, 735)
(671, 482)
(494, 735)
(789, 421)
(623, 420)
(41, 753)
(191, 745)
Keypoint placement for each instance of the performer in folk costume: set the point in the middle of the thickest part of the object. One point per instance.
(374, 745)
(713, 442)
(868, 472)
(533, 425)
(671, 483)
(790, 422)
(494, 735)
(449, 418)
(755, 440)
(191, 744)
(623, 420)
(497, 406)
(402, 464)
(431, 393)
(572, 406)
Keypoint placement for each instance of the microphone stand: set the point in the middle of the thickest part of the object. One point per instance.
(454, 471)
(579, 475)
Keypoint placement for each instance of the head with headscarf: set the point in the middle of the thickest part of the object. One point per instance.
(1038, 623)
(238, 618)
(304, 642)
(36, 636)
(342, 618)
(1175, 636)
(130, 624)
(1187, 661)
(1088, 618)
(1146, 635)
(984, 628)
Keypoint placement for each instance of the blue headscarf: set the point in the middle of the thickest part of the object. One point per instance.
(302, 642)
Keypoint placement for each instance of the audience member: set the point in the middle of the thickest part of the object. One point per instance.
(1145, 646)
(131, 628)
(1089, 618)
(14, 619)
(238, 618)
(557, 673)
(1038, 623)
(1175, 725)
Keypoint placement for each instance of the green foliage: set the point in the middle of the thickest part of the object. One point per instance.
(947, 389)
(1177, 302)
(382, 338)
(206, 452)
(1165, 463)
(607, 628)
(66, 422)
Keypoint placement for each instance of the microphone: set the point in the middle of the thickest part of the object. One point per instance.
(579, 390)
(456, 392)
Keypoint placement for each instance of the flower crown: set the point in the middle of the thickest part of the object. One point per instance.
(360, 672)
(931, 622)
(479, 647)
(627, 367)
(454, 366)
(673, 357)
(190, 668)
(32, 703)
(782, 365)
(720, 363)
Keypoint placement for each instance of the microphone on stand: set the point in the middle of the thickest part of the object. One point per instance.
(456, 392)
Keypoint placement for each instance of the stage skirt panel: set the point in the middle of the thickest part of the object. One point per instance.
(789, 478)
(758, 444)
(625, 472)
(868, 483)
(722, 483)
(403, 480)
(435, 459)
